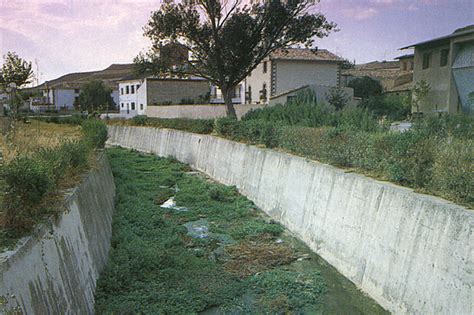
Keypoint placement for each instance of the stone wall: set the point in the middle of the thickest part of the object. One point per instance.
(412, 253)
(54, 271)
(196, 111)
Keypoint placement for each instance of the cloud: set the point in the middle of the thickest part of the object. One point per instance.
(360, 13)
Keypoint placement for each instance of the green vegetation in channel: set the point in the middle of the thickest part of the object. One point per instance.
(158, 266)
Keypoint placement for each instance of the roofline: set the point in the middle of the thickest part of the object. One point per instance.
(405, 56)
(438, 39)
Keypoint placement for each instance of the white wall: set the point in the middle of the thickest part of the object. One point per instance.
(129, 101)
(412, 253)
(291, 74)
(256, 80)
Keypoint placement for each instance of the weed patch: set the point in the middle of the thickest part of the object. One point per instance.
(165, 261)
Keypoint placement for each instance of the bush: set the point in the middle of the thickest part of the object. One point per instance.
(70, 120)
(394, 107)
(227, 127)
(202, 126)
(253, 131)
(95, 132)
(76, 154)
(365, 87)
(28, 180)
(457, 126)
(140, 120)
(453, 170)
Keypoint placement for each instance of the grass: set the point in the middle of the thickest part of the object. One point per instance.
(155, 266)
(40, 161)
(29, 138)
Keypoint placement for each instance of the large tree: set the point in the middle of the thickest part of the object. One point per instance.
(95, 95)
(15, 70)
(227, 39)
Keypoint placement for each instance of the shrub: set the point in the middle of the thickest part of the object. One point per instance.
(354, 119)
(227, 127)
(76, 154)
(29, 178)
(28, 181)
(301, 140)
(202, 126)
(95, 132)
(70, 120)
(365, 87)
(140, 120)
(394, 107)
(457, 126)
(453, 170)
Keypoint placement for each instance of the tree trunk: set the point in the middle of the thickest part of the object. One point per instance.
(229, 106)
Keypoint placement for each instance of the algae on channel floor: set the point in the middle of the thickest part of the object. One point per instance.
(221, 256)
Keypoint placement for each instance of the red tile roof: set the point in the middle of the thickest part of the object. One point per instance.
(304, 54)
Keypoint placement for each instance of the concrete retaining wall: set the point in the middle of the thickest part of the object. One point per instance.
(196, 111)
(55, 270)
(412, 253)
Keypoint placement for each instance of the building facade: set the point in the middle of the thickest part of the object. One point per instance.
(137, 94)
(447, 65)
(286, 70)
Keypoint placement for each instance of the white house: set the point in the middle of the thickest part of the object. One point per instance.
(132, 97)
(136, 94)
(284, 71)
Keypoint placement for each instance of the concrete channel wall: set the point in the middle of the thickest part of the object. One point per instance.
(412, 253)
(54, 271)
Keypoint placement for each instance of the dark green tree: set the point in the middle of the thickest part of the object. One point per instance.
(95, 95)
(337, 97)
(365, 87)
(15, 70)
(228, 39)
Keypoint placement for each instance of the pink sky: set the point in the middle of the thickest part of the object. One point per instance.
(80, 35)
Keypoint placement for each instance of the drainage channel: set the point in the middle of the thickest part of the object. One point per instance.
(185, 244)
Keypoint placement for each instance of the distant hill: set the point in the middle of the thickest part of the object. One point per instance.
(109, 76)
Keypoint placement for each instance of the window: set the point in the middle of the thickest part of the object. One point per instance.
(122, 105)
(264, 67)
(263, 92)
(444, 58)
(426, 60)
(133, 105)
(132, 89)
(404, 66)
(127, 91)
(121, 92)
(77, 91)
(412, 65)
(141, 106)
(138, 86)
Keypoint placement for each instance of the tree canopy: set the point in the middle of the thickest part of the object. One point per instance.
(227, 39)
(15, 70)
(95, 95)
(365, 87)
